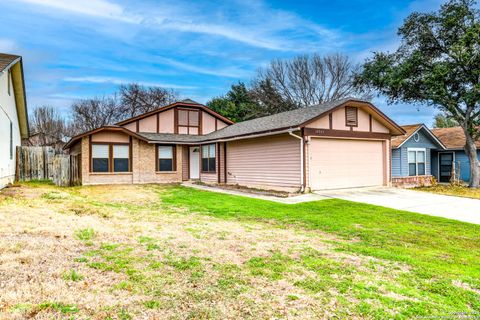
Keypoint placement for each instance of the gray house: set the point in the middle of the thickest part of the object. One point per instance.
(412, 156)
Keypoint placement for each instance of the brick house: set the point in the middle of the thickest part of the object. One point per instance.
(340, 144)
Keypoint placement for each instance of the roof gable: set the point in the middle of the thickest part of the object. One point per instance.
(183, 103)
(74, 139)
(411, 130)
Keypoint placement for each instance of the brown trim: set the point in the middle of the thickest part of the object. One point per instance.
(330, 121)
(158, 122)
(200, 122)
(137, 126)
(370, 122)
(225, 162)
(130, 154)
(201, 157)
(217, 159)
(90, 153)
(345, 134)
(175, 121)
(109, 128)
(216, 124)
(175, 104)
(357, 103)
(188, 160)
(304, 164)
(110, 155)
(347, 108)
(174, 157)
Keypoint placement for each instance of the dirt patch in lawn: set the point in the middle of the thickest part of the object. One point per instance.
(143, 261)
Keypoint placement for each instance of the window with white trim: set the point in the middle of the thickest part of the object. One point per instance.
(166, 158)
(121, 157)
(416, 162)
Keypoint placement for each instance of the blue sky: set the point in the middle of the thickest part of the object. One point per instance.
(79, 49)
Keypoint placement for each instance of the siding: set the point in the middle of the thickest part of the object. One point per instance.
(264, 162)
(8, 112)
(185, 163)
(400, 155)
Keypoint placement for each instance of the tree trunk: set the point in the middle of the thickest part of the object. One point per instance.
(471, 151)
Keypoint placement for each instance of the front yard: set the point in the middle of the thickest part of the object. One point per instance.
(453, 190)
(127, 252)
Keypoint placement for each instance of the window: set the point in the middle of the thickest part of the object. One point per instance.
(121, 157)
(108, 157)
(100, 158)
(166, 158)
(351, 116)
(11, 140)
(208, 158)
(416, 137)
(416, 162)
(188, 121)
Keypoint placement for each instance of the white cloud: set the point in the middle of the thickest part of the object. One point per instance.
(98, 8)
(118, 81)
(231, 72)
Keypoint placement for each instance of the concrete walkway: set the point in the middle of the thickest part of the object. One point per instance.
(457, 208)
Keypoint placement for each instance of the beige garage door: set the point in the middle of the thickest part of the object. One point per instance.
(340, 163)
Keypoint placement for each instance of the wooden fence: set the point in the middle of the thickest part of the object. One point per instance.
(42, 163)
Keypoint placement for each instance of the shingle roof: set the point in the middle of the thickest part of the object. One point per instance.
(6, 60)
(409, 129)
(283, 120)
(172, 138)
(452, 138)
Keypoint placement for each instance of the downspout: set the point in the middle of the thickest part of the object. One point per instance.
(302, 156)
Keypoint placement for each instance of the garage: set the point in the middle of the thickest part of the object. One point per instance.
(346, 163)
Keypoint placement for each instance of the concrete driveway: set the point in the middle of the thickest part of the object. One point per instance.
(463, 209)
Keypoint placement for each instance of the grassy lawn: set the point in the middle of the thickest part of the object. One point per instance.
(452, 190)
(126, 252)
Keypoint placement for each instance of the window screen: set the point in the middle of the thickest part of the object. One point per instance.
(121, 156)
(166, 158)
(208, 158)
(100, 157)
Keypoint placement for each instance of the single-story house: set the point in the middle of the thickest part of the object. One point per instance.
(418, 155)
(453, 155)
(13, 114)
(412, 156)
(340, 144)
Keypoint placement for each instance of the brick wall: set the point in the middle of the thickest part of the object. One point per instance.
(143, 167)
(412, 182)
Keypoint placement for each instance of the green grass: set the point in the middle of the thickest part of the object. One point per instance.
(72, 275)
(437, 250)
(85, 234)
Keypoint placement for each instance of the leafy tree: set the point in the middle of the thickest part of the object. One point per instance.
(237, 104)
(444, 121)
(438, 64)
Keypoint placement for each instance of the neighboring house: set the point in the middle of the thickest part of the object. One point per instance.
(13, 114)
(340, 144)
(453, 157)
(412, 156)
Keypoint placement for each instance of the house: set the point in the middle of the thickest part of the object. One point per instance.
(412, 156)
(340, 144)
(38, 139)
(453, 157)
(13, 114)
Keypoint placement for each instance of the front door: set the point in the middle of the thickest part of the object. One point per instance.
(194, 162)
(446, 166)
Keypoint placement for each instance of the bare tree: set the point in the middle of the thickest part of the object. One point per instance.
(311, 79)
(47, 125)
(90, 114)
(136, 99)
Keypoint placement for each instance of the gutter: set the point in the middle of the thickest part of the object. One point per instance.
(302, 159)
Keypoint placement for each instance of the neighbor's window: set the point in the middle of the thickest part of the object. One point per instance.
(208, 158)
(351, 116)
(416, 162)
(188, 121)
(100, 157)
(121, 157)
(11, 140)
(166, 158)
